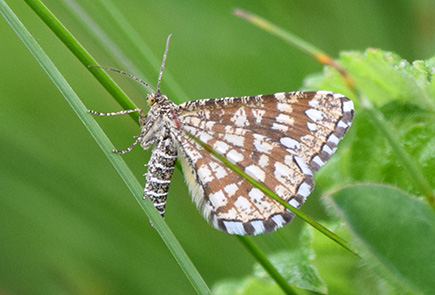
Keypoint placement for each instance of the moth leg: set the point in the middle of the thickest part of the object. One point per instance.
(116, 113)
(138, 139)
(141, 120)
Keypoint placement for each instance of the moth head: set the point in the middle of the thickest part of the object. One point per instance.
(156, 98)
(151, 99)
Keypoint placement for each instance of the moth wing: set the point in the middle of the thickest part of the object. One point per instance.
(279, 139)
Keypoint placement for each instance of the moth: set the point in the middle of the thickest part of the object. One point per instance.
(279, 139)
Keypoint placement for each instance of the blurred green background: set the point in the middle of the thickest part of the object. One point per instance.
(68, 224)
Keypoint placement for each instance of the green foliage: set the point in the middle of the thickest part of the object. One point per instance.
(69, 225)
(394, 230)
(395, 233)
(408, 111)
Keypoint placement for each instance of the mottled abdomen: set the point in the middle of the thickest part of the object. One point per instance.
(159, 173)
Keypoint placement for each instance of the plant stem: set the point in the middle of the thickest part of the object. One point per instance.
(121, 167)
(82, 55)
(267, 265)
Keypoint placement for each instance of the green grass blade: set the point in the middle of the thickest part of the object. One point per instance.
(267, 265)
(105, 144)
(82, 54)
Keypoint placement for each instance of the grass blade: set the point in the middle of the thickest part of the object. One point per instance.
(82, 54)
(267, 265)
(105, 144)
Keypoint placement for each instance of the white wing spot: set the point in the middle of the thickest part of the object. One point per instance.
(234, 227)
(194, 154)
(221, 147)
(303, 165)
(286, 119)
(243, 204)
(231, 214)
(235, 139)
(278, 220)
(209, 125)
(333, 139)
(282, 172)
(239, 118)
(315, 115)
(256, 172)
(304, 190)
(281, 191)
(258, 226)
(264, 161)
(234, 156)
(205, 137)
(312, 126)
(314, 102)
(205, 174)
(258, 114)
(280, 95)
(280, 127)
(348, 106)
(290, 143)
(284, 107)
(218, 199)
(256, 195)
(262, 146)
(218, 170)
(194, 121)
(231, 189)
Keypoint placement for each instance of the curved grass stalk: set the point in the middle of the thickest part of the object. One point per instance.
(100, 137)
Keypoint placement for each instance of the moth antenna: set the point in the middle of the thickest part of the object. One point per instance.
(163, 63)
(125, 74)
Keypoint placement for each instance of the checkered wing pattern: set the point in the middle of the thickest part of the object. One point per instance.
(279, 139)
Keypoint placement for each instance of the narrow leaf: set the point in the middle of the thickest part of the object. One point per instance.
(102, 140)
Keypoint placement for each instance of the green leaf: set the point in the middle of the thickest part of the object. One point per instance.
(395, 233)
(384, 77)
(403, 93)
(334, 264)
